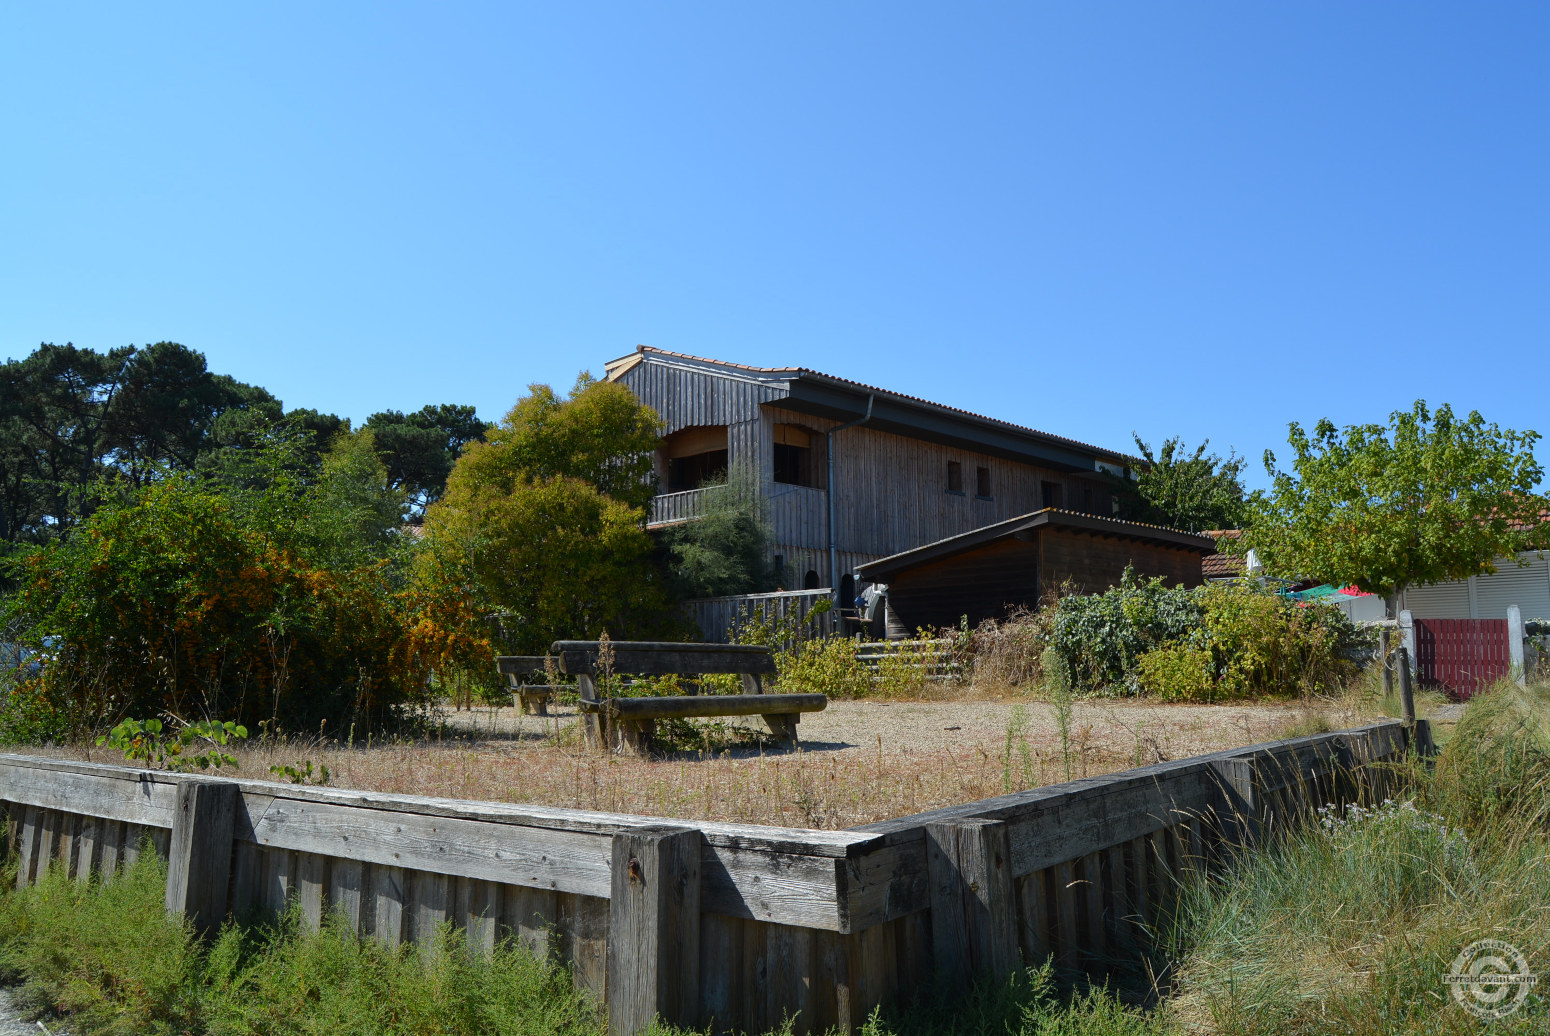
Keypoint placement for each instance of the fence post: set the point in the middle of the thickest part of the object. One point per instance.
(199, 857)
(973, 911)
(1515, 645)
(1406, 690)
(654, 929)
(1387, 663)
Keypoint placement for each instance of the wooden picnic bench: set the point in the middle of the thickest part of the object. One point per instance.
(628, 723)
(532, 698)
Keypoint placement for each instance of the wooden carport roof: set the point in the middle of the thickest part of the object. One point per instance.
(881, 570)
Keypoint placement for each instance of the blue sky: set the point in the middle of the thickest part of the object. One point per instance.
(1184, 219)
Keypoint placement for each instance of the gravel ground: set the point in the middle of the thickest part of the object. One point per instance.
(11, 1023)
(1147, 730)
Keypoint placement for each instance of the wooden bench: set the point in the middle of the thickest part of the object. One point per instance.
(532, 698)
(628, 723)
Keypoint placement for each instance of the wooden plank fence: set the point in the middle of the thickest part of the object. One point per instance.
(726, 926)
(719, 618)
(1460, 656)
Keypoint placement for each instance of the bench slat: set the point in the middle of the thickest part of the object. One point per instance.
(520, 665)
(710, 705)
(654, 658)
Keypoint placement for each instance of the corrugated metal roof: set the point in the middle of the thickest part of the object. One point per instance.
(806, 372)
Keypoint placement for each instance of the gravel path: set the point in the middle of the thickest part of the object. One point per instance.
(11, 1023)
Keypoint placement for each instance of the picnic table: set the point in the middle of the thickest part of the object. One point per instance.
(532, 698)
(628, 723)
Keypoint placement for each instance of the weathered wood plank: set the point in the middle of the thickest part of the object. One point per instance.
(132, 795)
(347, 893)
(973, 915)
(708, 705)
(653, 929)
(788, 993)
(28, 846)
(583, 925)
(389, 901)
(247, 877)
(432, 907)
(531, 916)
(482, 918)
(311, 888)
(721, 946)
(89, 848)
(652, 658)
(1033, 918)
(199, 853)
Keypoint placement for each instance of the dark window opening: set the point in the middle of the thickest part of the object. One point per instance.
(780, 571)
(793, 465)
(794, 455)
(810, 581)
(1087, 500)
(692, 472)
(954, 477)
(1052, 493)
(982, 482)
(847, 591)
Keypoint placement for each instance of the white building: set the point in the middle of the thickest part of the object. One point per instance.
(1487, 596)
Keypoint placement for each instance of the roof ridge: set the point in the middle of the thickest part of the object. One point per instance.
(644, 349)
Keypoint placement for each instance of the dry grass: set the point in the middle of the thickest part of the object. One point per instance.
(860, 762)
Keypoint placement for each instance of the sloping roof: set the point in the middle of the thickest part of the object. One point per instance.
(1221, 566)
(826, 395)
(881, 569)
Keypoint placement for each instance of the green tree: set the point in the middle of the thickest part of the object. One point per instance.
(530, 528)
(1428, 498)
(1183, 490)
(724, 550)
(600, 434)
(419, 449)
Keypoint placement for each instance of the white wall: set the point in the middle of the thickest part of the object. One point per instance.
(1487, 597)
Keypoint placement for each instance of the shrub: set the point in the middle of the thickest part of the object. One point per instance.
(1099, 637)
(1264, 643)
(1177, 672)
(824, 666)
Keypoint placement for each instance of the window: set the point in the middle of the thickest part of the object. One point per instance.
(780, 571)
(793, 455)
(982, 483)
(692, 472)
(1052, 492)
(810, 581)
(1087, 500)
(954, 477)
(694, 456)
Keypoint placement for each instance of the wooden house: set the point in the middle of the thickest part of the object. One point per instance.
(983, 573)
(851, 473)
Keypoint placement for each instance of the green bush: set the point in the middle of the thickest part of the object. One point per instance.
(824, 666)
(1214, 642)
(1177, 672)
(1099, 638)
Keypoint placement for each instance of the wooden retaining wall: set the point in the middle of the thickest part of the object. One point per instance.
(728, 926)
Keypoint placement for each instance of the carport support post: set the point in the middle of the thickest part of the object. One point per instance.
(973, 909)
(654, 929)
(199, 855)
(1515, 645)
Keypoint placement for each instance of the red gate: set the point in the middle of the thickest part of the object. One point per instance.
(1460, 656)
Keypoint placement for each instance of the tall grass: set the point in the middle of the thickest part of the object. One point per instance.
(107, 958)
(1350, 925)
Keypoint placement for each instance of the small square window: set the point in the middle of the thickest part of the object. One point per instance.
(982, 482)
(954, 477)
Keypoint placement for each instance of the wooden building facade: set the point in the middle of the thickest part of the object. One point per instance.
(904, 471)
(982, 574)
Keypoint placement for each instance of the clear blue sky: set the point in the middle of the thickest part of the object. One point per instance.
(1179, 218)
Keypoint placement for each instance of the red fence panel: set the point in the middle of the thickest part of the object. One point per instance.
(1461, 655)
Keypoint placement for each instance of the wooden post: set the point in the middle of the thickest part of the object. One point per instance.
(1406, 691)
(654, 929)
(592, 725)
(1515, 645)
(973, 909)
(199, 858)
(1387, 664)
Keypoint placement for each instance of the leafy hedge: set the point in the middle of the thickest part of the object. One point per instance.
(1209, 643)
